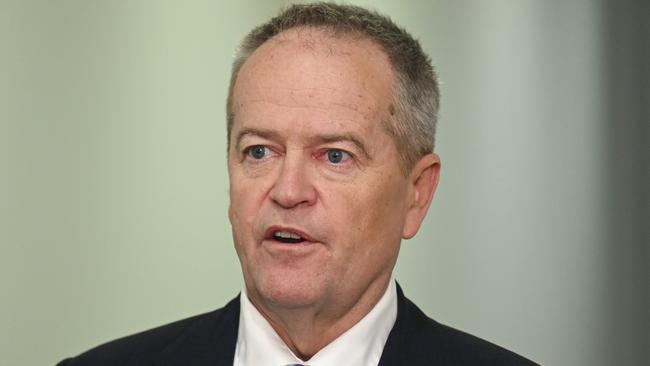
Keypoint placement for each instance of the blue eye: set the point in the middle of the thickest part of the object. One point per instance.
(336, 156)
(257, 152)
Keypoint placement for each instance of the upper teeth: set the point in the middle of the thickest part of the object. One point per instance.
(286, 235)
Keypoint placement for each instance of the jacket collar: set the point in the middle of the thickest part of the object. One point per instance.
(212, 342)
(410, 320)
(206, 343)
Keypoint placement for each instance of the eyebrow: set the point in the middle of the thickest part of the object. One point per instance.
(325, 138)
(263, 133)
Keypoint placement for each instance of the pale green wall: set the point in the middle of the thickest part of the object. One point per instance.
(113, 192)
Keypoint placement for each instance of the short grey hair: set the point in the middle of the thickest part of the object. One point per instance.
(417, 94)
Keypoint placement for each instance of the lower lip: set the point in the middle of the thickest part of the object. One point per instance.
(304, 247)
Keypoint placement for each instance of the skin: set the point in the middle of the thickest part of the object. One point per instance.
(301, 99)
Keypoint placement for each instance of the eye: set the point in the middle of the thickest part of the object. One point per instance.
(257, 152)
(336, 156)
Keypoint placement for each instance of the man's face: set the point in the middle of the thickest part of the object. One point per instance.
(318, 202)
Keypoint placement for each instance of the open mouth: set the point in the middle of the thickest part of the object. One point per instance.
(287, 237)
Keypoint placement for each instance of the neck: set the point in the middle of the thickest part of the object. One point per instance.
(307, 330)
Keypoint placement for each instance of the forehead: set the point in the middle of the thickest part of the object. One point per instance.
(313, 75)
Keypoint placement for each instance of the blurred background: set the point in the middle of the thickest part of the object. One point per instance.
(113, 191)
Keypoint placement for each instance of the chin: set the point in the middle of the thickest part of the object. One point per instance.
(290, 290)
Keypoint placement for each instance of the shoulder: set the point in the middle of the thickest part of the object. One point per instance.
(141, 348)
(426, 340)
(460, 348)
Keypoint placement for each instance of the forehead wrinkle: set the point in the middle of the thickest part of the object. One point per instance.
(315, 98)
(327, 127)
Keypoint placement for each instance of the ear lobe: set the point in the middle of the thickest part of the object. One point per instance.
(424, 181)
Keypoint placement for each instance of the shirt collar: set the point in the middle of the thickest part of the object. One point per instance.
(363, 344)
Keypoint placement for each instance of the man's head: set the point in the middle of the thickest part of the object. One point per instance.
(321, 192)
(416, 94)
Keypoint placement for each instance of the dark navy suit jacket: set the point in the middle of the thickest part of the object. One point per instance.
(209, 340)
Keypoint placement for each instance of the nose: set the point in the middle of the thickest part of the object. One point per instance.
(293, 186)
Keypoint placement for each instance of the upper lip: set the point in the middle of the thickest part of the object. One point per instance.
(273, 229)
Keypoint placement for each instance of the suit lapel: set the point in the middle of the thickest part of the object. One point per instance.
(208, 343)
(401, 336)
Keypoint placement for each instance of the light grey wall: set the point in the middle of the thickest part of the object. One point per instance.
(113, 192)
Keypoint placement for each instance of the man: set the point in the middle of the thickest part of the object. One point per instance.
(331, 119)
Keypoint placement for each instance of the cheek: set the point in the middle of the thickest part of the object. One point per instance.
(379, 214)
(243, 213)
(245, 199)
(245, 188)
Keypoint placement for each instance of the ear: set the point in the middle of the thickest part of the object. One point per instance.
(423, 181)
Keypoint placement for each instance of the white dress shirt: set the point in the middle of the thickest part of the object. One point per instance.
(362, 345)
